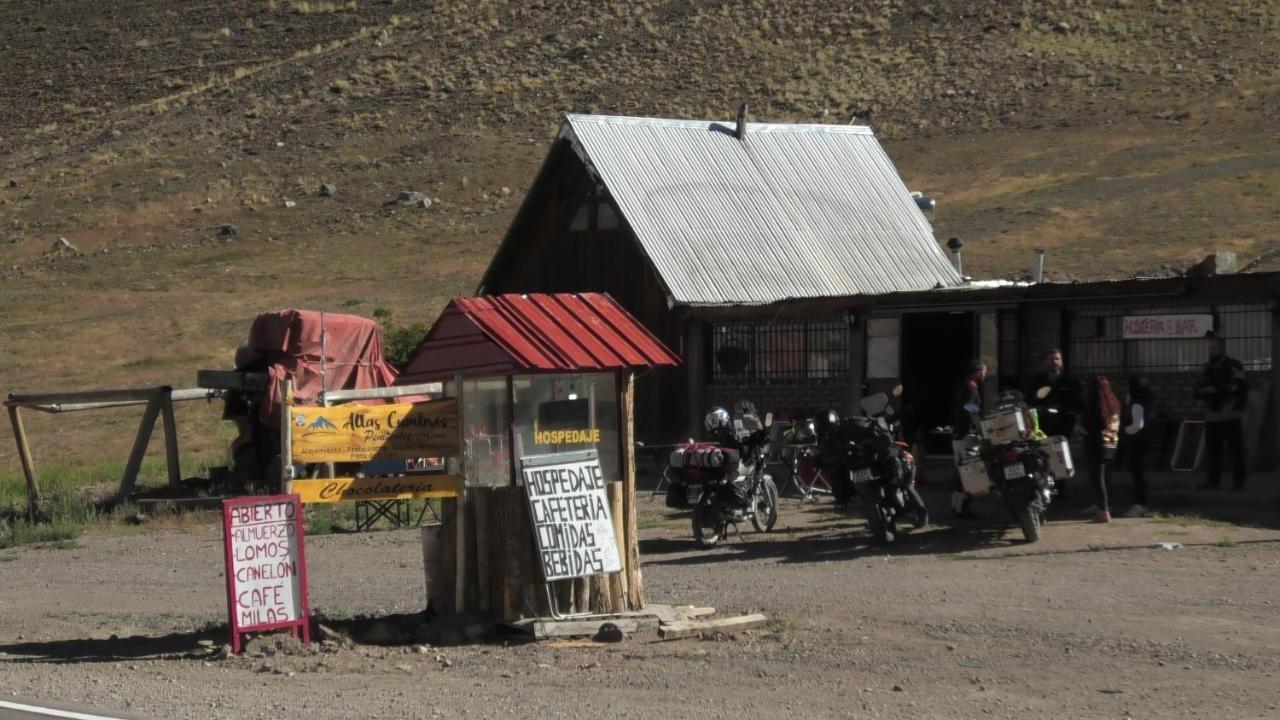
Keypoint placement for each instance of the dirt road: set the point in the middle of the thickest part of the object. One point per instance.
(954, 622)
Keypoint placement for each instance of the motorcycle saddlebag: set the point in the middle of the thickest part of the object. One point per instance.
(973, 476)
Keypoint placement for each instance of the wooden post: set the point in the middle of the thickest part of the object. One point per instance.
(480, 504)
(140, 443)
(460, 570)
(170, 438)
(635, 583)
(286, 438)
(24, 457)
(618, 581)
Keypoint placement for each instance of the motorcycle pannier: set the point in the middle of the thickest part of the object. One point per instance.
(973, 476)
(1059, 456)
(1005, 425)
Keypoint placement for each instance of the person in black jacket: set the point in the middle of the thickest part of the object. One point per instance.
(1223, 390)
(968, 395)
(1063, 398)
(1139, 411)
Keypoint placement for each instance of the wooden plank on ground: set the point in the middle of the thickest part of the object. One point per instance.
(690, 628)
(588, 628)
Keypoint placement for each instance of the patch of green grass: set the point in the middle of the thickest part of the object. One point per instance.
(1189, 520)
(1225, 542)
(55, 534)
(352, 302)
(8, 558)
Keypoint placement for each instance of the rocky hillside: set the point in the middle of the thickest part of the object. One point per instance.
(180, 148)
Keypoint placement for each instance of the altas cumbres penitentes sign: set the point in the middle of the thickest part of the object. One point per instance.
(266, 566)
(569, 510)
(359, 433)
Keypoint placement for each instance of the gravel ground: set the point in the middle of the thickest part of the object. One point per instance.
(954, 621)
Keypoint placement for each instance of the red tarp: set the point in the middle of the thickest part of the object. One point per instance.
(290, 342)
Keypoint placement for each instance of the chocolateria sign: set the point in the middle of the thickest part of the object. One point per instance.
(569, 510)
(266, 566)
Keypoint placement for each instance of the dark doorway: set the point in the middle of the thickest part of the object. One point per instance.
(936, 350)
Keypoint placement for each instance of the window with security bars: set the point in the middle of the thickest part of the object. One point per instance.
(780, 352)
(1098, 344)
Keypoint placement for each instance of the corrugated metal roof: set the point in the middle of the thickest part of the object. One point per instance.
(562, 332)
(792, 211)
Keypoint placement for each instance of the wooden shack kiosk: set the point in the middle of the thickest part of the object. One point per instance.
(540, 379)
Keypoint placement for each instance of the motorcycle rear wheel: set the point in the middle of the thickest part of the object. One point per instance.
(707, 531)
(883, 531)
(765, 512)
(1030, 517)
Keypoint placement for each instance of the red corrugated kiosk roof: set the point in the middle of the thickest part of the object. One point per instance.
(562, 332)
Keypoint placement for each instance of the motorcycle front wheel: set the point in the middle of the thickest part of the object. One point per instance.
(707, 530)
(765, 512)
(916, 507)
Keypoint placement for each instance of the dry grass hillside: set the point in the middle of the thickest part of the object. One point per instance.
(1126, 137)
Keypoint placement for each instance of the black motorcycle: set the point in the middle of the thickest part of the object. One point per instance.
(867, 458)
(1017, 464)
(730, 472)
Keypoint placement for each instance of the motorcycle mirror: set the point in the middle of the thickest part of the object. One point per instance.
(896, 391)
(971, 407)
(768, 419)
(1043, 392)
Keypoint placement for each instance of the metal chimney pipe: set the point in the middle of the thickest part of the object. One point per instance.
(740, 132)
(1037, 269)
(954, 244)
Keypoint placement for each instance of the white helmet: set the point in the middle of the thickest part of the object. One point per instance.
(717, 419)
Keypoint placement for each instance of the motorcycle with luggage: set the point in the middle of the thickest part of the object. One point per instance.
(726, 475)
(1011, 458)
(867, 458)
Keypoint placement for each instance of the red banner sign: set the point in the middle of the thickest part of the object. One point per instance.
(266, 566)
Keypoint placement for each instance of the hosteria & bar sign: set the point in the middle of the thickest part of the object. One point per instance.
(569, 510)
(266, 566)
(1157, 327)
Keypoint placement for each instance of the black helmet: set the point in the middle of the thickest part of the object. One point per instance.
(717, 420)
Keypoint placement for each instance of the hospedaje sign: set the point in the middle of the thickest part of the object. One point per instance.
(1166, 327)
(266, 566)
(361, 433)
(569, 512)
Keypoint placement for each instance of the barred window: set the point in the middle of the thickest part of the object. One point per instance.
(781, 352)
(1098, 344)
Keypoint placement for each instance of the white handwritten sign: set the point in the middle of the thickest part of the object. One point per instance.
(571, 521)
(266, 567)
(1156, 327)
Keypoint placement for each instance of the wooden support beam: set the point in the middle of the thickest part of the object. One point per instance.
(388, 393)
(635, 583)
(618, 580)
(140, 443)
(135, 395)
(28, 466)
(171, 440)
(690, 628)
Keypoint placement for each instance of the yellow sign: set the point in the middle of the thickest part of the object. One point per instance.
(358, 433)
(409, 487)
(565, 437)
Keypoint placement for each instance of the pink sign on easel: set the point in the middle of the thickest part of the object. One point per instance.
(266, 566)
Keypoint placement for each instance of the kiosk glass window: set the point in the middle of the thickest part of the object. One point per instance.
(484, 431)
(563, 413)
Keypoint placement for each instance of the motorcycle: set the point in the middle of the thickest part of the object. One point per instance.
(1016, 464)
(869, 459)
(729, 476)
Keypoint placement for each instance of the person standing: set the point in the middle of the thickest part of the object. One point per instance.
(1058, 410)
(1223, 390)
(1060, 406)
(1139, 411)
(1100, 420)
(968, 397)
